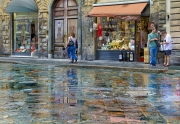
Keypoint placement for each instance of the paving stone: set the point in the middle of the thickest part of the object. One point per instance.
(71, 94)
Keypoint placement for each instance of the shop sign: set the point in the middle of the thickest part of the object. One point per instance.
(128, 18)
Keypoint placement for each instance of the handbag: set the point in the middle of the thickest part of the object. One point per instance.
(162, 48)
(157, 43)
(71, 42)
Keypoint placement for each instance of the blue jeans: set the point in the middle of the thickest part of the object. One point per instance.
(72, 52)
(69, 54)
(153, 54)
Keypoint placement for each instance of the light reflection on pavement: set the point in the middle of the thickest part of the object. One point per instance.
(51, 95)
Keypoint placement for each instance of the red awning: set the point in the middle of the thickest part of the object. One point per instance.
(117, 10)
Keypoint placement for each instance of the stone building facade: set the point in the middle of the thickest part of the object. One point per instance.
(5, 36)
(174, 16)
(164, 17)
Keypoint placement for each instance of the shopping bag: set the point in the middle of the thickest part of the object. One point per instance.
(161, 47)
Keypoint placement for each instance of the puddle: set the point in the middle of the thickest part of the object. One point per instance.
(50, 94)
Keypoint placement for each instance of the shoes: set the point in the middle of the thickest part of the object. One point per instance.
(166, 65)
(75, 60)
(153, 65)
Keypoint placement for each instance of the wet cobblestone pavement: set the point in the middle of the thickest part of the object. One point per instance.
(42, 94)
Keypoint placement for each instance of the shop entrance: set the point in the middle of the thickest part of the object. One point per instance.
(121, 31)
(65, 20)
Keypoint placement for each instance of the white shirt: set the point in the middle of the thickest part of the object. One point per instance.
(73, 39)
(169, 41)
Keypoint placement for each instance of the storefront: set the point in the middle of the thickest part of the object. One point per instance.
(24, 26)
(121, 32)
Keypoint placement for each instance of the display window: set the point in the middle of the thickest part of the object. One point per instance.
(25, 32)
(115, 34)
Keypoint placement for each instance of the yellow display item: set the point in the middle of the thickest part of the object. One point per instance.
(125, 47)
(146, 55)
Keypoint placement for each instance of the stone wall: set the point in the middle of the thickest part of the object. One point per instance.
(88, 40)
(5, 35)
(175, 30)
(158, 13)
(43, 27)
(175, 23)
(1, 38)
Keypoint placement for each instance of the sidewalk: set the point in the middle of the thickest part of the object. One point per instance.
(105, 64)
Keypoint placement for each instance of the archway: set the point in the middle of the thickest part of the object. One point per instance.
(63, 15)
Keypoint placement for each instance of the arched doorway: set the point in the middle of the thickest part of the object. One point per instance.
(65, 21)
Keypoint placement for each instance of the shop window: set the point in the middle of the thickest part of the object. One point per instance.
(115, 34)
(25, 32)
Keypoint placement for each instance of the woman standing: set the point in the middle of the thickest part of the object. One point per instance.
(167, 48)
(72, 48)
(152, 39)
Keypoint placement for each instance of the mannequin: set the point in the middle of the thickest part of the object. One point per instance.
(23, 35)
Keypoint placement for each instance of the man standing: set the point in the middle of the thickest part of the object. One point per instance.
(167, 48)
(152, 38)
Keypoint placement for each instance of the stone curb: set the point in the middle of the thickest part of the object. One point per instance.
(91, 65)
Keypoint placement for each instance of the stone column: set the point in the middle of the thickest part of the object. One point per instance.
(43, 41)
(6, 34)
(88, 44)
(175, 25)
(80, 29)
(175, 30)
(1, 37)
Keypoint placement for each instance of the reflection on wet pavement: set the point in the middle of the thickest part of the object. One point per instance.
(53, 95)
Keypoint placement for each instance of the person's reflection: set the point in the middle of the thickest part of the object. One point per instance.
(154, 87)
(72, 79)
(71, 73)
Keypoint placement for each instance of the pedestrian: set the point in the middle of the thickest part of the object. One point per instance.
(72, 47)
(152, 39)
(167, 45)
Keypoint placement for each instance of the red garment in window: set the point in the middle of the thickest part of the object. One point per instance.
(99, 31)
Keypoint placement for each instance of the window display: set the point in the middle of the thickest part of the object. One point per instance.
(117, 34)
(25, 28)
(23, 37)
